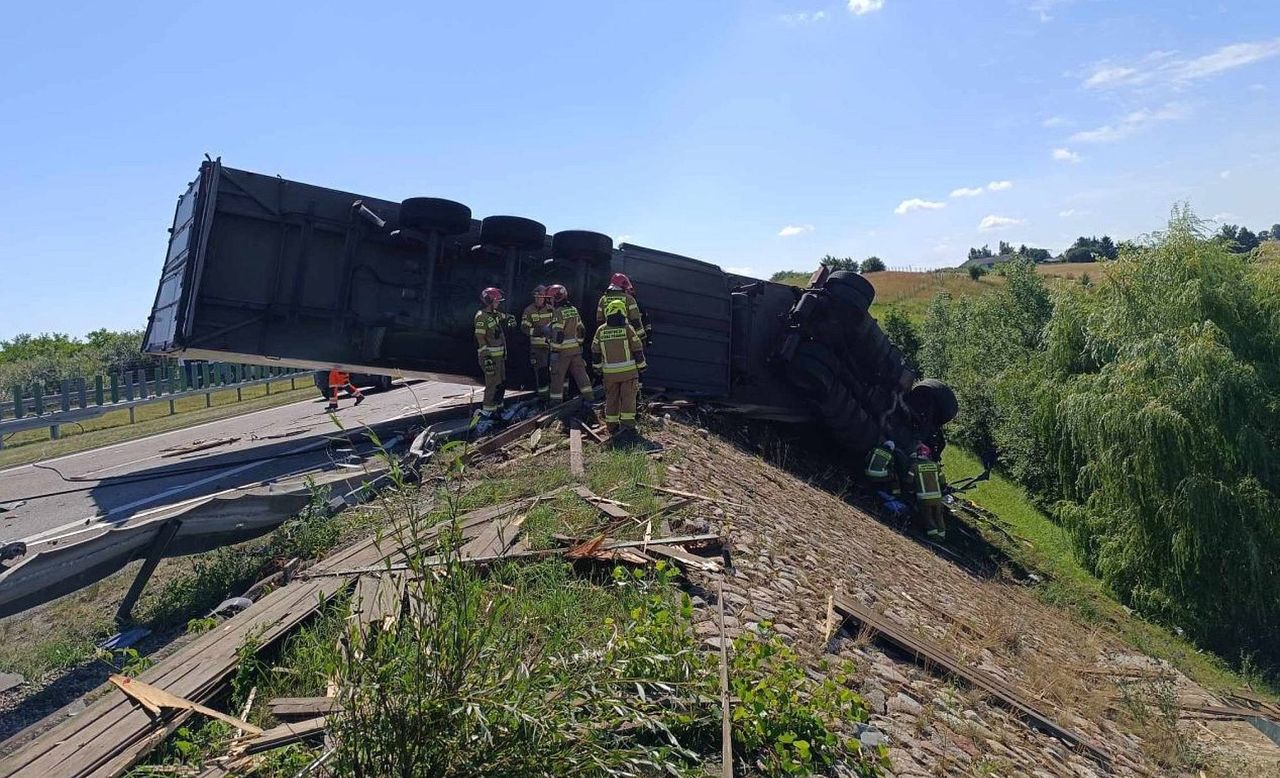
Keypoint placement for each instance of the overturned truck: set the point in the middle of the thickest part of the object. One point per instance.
(265, 270)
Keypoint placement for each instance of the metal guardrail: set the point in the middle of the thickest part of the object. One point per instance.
(75, 400)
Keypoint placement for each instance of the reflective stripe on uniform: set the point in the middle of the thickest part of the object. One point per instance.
(629, 416)
(928, 484)
(615, 350)
(878, 463)
(566, 322)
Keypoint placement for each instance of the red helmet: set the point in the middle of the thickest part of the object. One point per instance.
(492, 296)
(557, 293)
(924, 452)
(621, 281)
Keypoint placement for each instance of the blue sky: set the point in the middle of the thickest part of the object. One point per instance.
(758, 135)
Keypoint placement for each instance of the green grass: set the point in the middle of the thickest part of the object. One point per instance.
(114, 427)
(1073, 587)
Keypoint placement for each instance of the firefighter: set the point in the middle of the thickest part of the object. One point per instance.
(928, 483)
(619, 357)
(620, 289)
(339, 380)
(567, 333)
(491, 348)
(535, 322)
(879, 470)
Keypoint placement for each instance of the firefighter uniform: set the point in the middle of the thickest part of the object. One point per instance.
(338, 381)
(928, 482)
(491, 350)
(634, 317)
(619, 356)
(567, 333)
(535, 322)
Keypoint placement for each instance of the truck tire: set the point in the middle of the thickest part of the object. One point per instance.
(810, 371)
(850, 289)
(512, 232)
(431, 214)
(594, 248)
(935, 399)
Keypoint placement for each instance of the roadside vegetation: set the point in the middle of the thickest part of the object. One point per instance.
(537, 667)
(1140, 413)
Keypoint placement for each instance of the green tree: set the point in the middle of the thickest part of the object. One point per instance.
(903, 334)
(977, 271)
(872, 264)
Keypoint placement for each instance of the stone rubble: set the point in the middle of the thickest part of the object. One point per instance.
(793, 544)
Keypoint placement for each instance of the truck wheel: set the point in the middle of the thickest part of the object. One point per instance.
(431, 214)
(809, 371)
(934, 399)
(512, 232)
(594, 248)
(851, 289)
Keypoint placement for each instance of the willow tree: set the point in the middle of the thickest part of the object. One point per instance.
(1165, 435)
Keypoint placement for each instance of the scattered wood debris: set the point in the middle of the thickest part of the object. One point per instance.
(726, 732)
(286, 734)
(154, 700)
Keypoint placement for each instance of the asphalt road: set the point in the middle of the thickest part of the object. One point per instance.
(116, 482)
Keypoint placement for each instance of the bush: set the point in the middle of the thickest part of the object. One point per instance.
(977, 271)
(902, 333)
(872, 265)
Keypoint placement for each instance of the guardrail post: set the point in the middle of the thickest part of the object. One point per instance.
(142, 383)
(17, 401)
(82, 390)
(115, 388)
(39, 399)
(128, 386)
(65, 386)
(55, 431)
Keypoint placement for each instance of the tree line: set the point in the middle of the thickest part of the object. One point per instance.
(48, 358)
(1143, 414)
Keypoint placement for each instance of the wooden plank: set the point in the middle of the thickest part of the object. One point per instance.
(684, 559)
(928, 653)
(692, 495)
(576, 468)
(607, 507)
(303, 707)
(726, 732)
(286, 734)
(594, 433)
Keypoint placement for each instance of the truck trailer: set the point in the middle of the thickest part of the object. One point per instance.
(261, 269)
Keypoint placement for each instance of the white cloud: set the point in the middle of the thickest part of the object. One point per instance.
(1225, 174)
(994, 222)
(967, 191)
(741, 271)
(1043, 7)
(1053, 121)
(916, 204)
(860, 7)
(1164, 67)
(1227, 58)
(1225, 216)
(1066, 155)
(1067, 214)
(999, 186)
(803, 17)
(1106, 76)
(1131, 123)
(792, 230)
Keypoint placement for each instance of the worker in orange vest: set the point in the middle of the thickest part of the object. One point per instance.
(339, 380)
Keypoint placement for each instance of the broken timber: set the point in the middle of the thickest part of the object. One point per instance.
(930, 653)
(516, 431)
(576, 468)
(286, 734)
